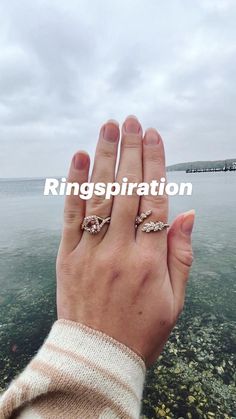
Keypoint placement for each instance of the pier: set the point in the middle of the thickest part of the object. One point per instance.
(213, 169)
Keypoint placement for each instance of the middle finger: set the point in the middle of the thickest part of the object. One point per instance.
(125, 207)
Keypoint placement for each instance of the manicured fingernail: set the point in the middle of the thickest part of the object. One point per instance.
(80, 161)
(111, 131)
(151, 137)
(188, 221)
(132, 125)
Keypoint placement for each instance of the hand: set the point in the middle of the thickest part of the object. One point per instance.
(122, 281)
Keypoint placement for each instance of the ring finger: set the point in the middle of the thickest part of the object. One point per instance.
(154, 169)
(104, 172)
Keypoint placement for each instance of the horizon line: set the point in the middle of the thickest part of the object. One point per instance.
(56, 177)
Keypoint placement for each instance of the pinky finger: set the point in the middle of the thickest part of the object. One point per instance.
(74, 206)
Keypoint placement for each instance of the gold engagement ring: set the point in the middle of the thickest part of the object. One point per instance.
(93, 224)
(151, 225)
(139, 219)
(154, 226)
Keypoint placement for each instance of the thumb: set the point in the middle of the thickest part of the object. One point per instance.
(180, 255)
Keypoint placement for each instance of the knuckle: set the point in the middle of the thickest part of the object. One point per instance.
(99, 203)
(156, 157)
(105, 153)
(146, 265)
(71, 216)
(185, 260)
(131, 141)
(107, 262)
(132, 177)
(160, 201)
(97, 200)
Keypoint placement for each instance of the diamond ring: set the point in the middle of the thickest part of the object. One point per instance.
(139, 219)
(93, 224)
(154, 226)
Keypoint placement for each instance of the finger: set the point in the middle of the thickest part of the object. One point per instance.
(153, 171)
(103, 171)
(74, 206)
(180, 255)
(125, 207)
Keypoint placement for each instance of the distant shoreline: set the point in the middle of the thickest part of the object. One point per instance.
(23, 179)
(178, 167)
(218, 165)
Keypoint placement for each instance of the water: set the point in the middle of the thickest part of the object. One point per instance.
(195, 375)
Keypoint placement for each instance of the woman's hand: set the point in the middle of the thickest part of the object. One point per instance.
(122, 281)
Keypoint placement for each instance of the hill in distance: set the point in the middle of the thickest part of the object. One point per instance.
(201, 165)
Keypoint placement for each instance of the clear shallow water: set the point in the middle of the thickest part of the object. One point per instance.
(201, 347)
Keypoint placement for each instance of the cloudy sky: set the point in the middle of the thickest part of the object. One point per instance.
(66, 66)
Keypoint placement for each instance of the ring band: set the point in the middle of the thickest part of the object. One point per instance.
(154, 226)
(139, 219)
(93, 224)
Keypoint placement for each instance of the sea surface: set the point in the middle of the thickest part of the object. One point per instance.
(195, 375)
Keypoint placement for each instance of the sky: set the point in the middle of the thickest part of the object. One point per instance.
(68, 66)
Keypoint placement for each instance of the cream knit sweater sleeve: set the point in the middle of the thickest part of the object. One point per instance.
(77, 373)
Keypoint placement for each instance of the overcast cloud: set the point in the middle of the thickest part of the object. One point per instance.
(68, 66)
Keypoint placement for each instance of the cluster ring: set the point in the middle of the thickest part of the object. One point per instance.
(154, 226)
(151, 225)
(93, 224)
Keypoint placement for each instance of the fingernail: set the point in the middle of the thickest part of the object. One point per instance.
(188, 221)
(151, 137)
(132, 125)
(111, 131)
(80, 161)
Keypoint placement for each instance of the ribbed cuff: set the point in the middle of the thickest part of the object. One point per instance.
(98, 362)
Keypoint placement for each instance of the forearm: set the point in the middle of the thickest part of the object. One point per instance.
(78, 372)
